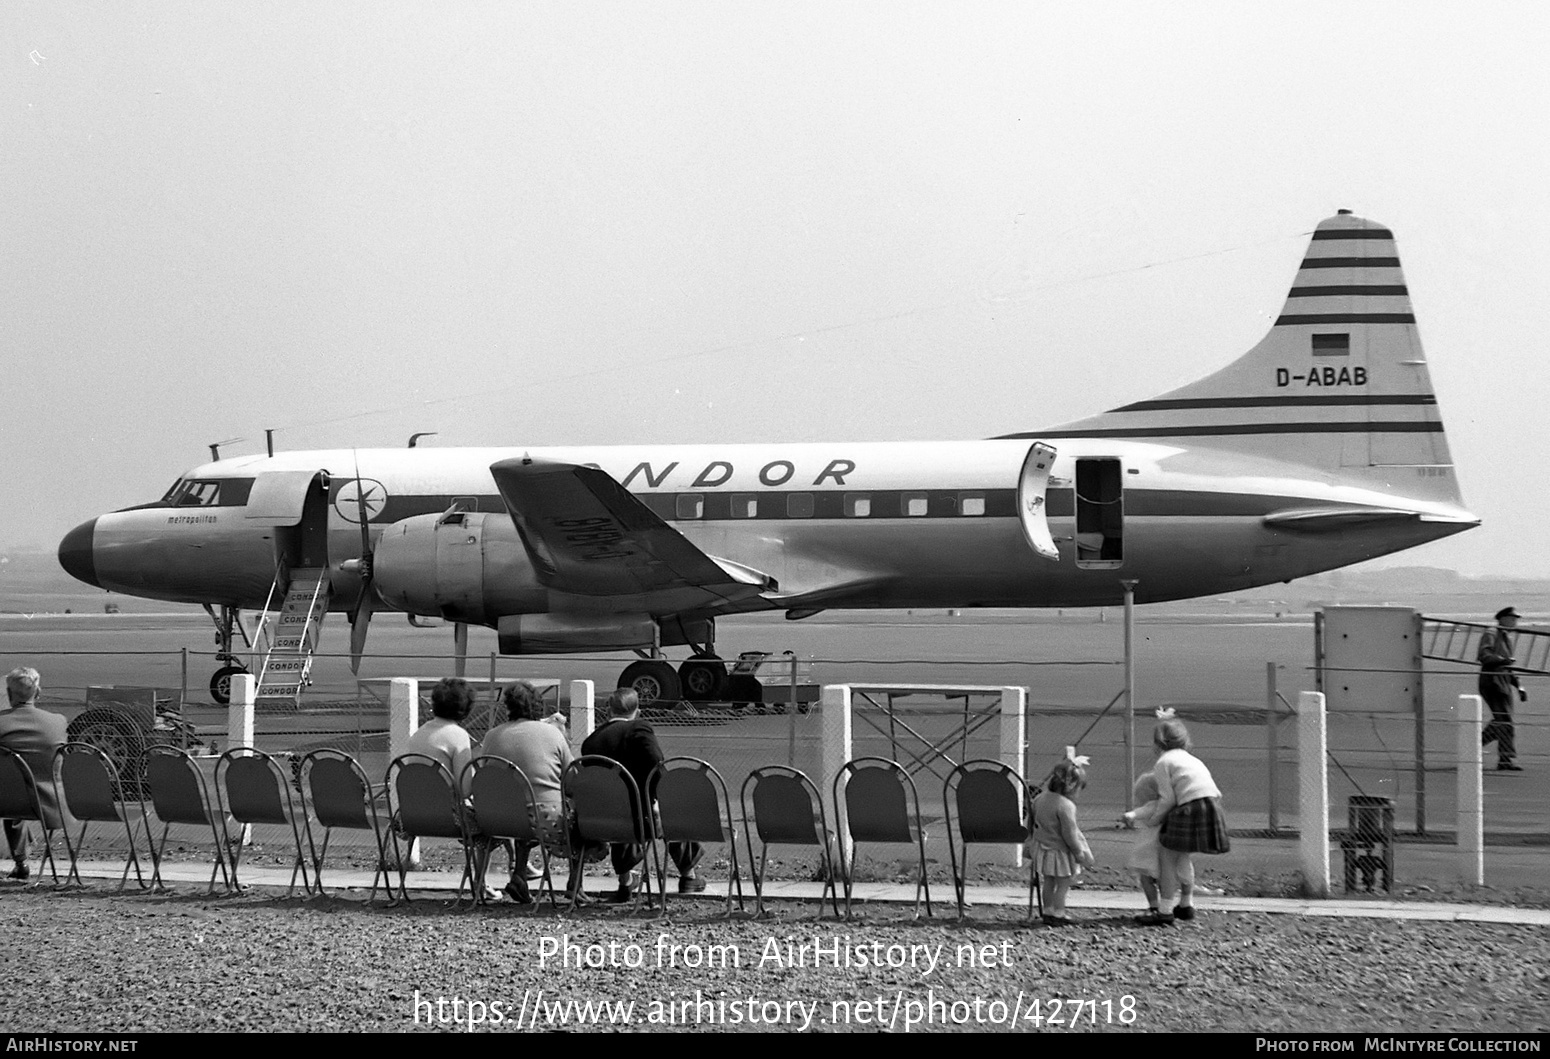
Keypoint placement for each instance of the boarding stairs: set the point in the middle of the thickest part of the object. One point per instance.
(290, 638)
(1459, 641)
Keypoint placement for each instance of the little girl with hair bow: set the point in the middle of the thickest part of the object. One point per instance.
(1060, 850)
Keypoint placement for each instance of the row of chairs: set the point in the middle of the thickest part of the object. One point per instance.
(874, 800)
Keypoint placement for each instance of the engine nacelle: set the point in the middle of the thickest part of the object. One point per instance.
(465, 567)
(543, 634)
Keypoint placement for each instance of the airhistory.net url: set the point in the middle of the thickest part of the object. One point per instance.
(898, 1011)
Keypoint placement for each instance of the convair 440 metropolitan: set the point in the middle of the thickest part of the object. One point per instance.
(1320, 447)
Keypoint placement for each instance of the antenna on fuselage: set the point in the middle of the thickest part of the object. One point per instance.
(269, 441)
(215, 448)
(415, 438)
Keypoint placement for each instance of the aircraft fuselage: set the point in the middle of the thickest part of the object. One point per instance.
(863, 525)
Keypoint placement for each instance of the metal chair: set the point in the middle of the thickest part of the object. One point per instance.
(693, 805)
(787, 810)
(340, 795)
(427, 803)
(604, 806)
(505, 807)
(875, 801)
(992, 801)
(19, 801)
(180, 795)
(253, 788)
(87, 783)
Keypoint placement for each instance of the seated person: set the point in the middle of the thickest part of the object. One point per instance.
(34, 734)
(541, 751)
(632, 742)
(443, 737)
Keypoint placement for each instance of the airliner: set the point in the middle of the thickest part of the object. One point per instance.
(1320, 447)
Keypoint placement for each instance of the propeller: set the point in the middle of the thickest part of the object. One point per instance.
(360, 617)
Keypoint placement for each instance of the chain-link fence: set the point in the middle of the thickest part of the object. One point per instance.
(1235, 685)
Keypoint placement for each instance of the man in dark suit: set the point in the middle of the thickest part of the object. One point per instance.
(633, 743)
(34, 734)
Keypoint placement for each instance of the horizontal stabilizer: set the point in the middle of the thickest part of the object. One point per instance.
(1334, 519)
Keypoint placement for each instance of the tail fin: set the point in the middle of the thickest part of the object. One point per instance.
(1339, 384)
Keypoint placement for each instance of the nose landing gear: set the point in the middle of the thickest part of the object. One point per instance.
(220, 682)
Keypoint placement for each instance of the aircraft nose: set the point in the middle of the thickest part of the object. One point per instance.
(75, 553)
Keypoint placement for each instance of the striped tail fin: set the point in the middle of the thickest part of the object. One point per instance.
(1339, 384)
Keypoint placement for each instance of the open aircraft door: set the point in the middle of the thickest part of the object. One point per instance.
(1032, 510)
(295, 503)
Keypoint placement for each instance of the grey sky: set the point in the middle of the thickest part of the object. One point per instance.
(534, 224)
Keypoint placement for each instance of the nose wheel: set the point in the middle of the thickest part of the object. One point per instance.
(220, 684)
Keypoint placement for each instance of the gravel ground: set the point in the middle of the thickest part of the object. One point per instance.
(94, 962)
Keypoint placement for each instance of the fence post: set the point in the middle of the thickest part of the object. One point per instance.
(239, 714)
(836, 747)
(1471, 792)
(836, 733)
(1313, 793)
(403, 719)
(583, 712)
(1272, 737)
(1014, 731)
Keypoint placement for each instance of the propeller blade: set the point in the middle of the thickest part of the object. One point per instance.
(360, 621)
(360, 506)
(460, 645)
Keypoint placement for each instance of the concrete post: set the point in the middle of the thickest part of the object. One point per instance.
(1014, 733)
(583, 712)
(403, 714)
(1313, 792)
(837, 741)
(239, 715)
(1471, 792)
(403, 719)
(239, 726)
(837, 746)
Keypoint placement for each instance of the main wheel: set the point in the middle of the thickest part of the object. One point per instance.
(654, 681)
(703, 678)
(220, 684)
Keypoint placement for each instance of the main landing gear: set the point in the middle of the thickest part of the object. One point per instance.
(703, 678)
(220, 682)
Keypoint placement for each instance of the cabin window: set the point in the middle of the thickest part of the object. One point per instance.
(971, 503)
(1100, 513)
(691, 505)
(914, 504)
(858, 505)
(745, 505)
(800, 505)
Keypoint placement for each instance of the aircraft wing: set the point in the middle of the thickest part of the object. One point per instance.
(587, 535)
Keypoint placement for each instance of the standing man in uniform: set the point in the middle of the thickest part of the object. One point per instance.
(1498, 684)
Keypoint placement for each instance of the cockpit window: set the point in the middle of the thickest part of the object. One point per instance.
(168, 496)
(210, 492)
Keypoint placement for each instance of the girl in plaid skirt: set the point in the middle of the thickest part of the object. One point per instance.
(1194, 822)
